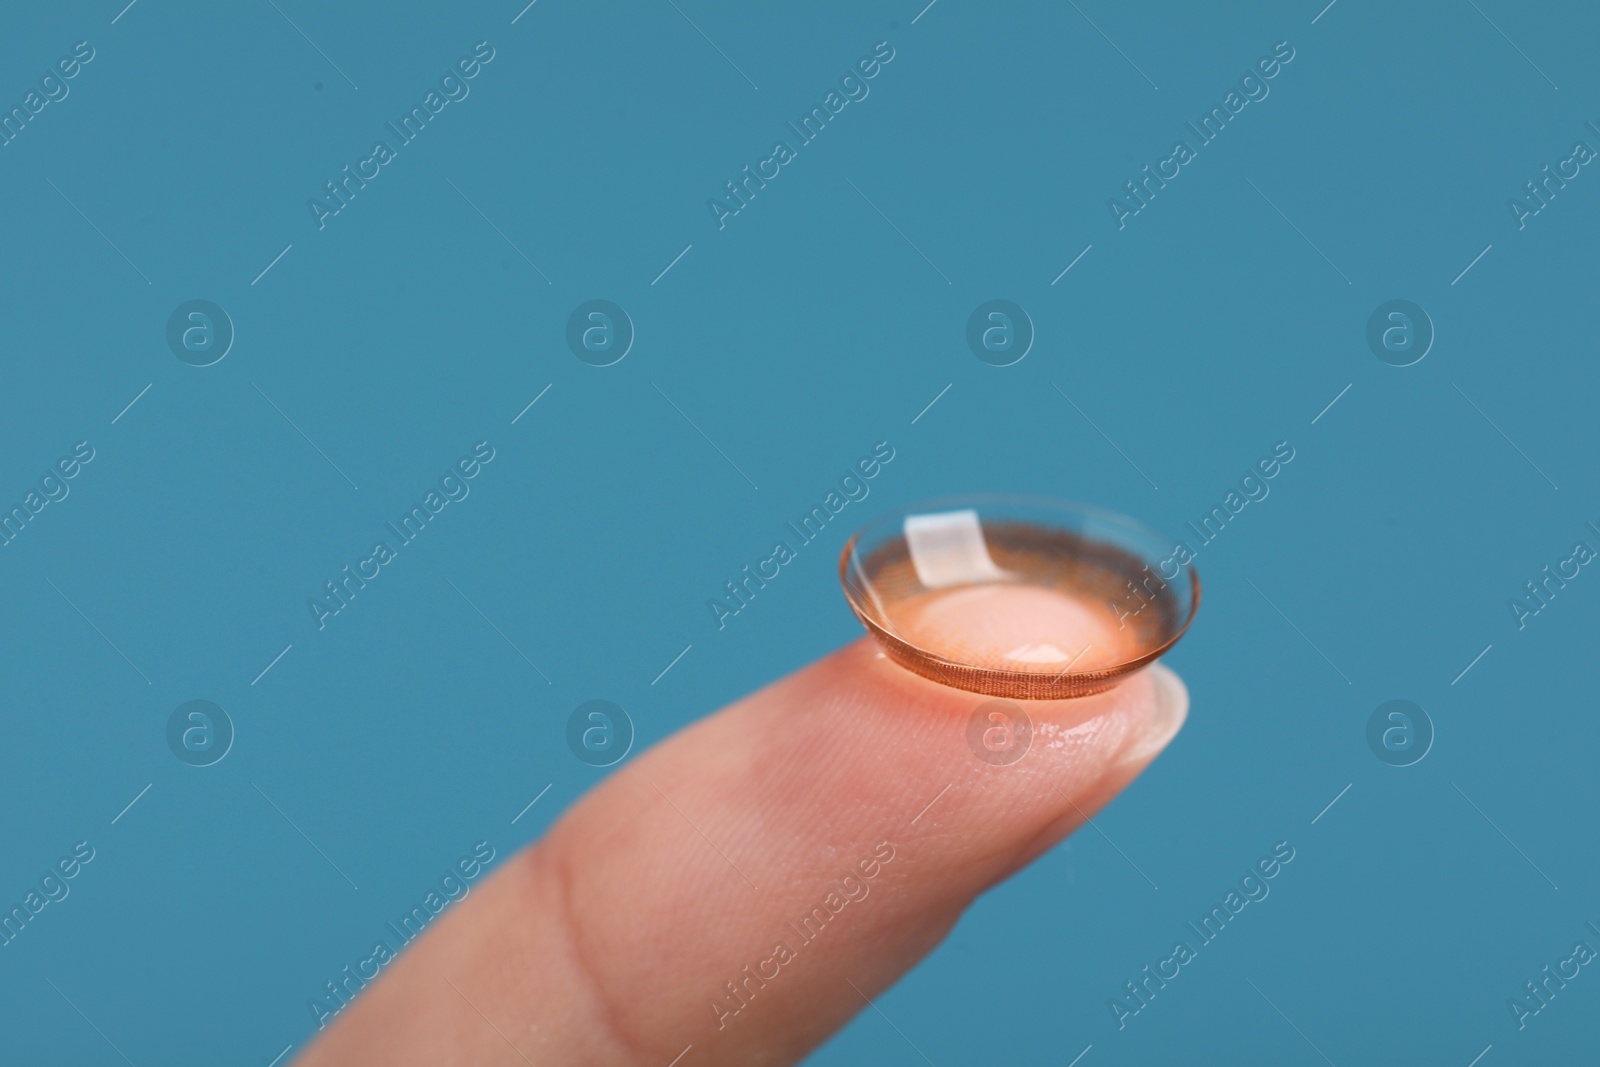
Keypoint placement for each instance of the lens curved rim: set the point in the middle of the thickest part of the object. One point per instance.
(996, 681)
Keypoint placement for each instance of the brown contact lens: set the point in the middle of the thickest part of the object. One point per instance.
(1027, 599)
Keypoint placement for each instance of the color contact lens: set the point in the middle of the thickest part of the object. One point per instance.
(1028, 599)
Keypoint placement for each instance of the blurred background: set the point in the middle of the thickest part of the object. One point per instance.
(248, 374)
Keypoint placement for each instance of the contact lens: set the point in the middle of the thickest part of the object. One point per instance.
(1024, 598)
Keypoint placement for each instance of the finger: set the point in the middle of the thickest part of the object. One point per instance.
(741, 889)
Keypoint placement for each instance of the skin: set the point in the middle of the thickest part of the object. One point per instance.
(608, 941)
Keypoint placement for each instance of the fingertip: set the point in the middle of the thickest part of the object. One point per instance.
(1169, 709)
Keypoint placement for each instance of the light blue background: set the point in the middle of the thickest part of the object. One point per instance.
(408, 328)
